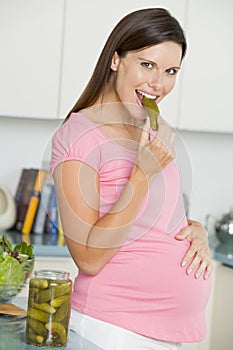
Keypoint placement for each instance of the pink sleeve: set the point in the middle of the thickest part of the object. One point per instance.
(75, 140)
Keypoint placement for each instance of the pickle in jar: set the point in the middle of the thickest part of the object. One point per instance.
(59, 329)
(48, 312)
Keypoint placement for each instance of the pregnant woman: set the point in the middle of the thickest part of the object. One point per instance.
(144, 268)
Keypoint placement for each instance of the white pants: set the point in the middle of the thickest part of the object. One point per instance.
(110, 337)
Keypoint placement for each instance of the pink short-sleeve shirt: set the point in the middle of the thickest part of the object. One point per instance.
(143, 288)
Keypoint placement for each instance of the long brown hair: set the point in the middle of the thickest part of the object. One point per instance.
(137, 30)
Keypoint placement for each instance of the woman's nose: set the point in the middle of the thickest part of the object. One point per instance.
(156, 80)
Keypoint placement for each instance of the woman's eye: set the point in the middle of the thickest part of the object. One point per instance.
(172, 71)
(147, 65)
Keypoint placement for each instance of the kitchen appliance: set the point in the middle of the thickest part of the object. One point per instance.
(7, 209)
(223, 226)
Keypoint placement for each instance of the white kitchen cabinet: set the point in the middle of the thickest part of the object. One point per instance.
(30, 60)
(206, 91)
(88, 25)
(222, 320)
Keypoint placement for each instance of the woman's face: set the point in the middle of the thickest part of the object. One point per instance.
(151, 72)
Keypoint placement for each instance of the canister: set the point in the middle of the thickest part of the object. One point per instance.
(48, 310)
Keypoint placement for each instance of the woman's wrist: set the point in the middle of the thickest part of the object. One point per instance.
(140, 178)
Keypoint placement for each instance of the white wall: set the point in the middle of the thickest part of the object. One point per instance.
(23, 141)
(22, 145)
(211, 156)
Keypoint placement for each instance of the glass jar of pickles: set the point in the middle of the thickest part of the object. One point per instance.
(48, 309)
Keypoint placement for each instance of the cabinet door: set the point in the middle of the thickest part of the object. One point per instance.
(31, 42)
(88, 25)
(222, 335)
(206, 98)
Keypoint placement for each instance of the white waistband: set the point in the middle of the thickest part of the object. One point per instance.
(106, 336)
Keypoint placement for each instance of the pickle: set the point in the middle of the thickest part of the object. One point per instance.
(37, 283)
(39, 339)
(65, 321)
(33, 292)
(38, 315)
(152, 110)
(61, 312)
(44, 307)
(57, 302)
(37, 327)
(36, 339)
(53, 292)
(59, 329)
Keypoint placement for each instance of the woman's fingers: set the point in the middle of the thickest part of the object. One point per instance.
(166, 136)
(198, 260)
(155, 155)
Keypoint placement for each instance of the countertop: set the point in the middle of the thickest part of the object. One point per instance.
(47, 245)
(12, 334)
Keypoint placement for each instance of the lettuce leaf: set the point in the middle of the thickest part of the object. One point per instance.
(6, 245)
(11, 271)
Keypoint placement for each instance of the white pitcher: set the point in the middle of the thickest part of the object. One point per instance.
(7, 209)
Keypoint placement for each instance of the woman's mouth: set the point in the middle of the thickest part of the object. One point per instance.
(140, 95)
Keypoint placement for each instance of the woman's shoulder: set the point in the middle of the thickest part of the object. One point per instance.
(75, 139)
(78, 120)
(75, 128)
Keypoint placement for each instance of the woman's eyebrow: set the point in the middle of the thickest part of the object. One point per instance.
(147, 60)
(154, 63)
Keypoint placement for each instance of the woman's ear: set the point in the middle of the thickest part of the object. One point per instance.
(115, 62)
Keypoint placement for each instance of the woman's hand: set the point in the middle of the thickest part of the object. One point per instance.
(198, 258)
(155, 155)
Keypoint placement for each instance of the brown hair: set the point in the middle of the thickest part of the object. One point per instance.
(137, 30)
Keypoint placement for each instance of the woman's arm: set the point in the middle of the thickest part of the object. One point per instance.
(91, 240)
(198, 257)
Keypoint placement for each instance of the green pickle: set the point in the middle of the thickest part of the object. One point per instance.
(152, 110)
(48, 309)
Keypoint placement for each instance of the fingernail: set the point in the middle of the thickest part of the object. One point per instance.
(183, 263)
(189, 271)
(179, 237)
(198, 274)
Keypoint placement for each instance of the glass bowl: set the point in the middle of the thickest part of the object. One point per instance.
(9, 290)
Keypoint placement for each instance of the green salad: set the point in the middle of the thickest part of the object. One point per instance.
(16, 262)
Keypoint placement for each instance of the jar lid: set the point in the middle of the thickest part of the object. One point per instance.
(52, 274)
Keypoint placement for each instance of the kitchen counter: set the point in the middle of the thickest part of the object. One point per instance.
(12, 334)
(47, 245)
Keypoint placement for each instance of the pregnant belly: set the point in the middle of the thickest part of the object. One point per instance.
(147, 291)
(149, 280)
(156, 276)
